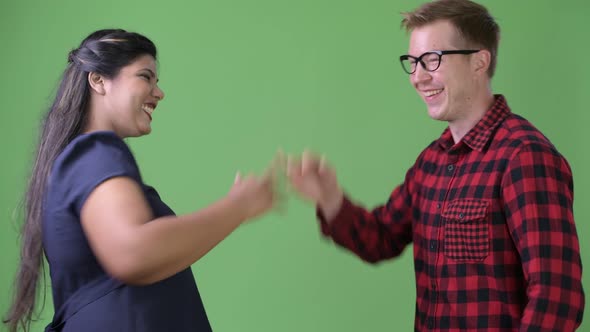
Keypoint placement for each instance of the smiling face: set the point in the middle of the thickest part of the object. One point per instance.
(125, 103)
(448, 91)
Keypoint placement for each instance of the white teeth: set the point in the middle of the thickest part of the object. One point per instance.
(147, 109)
(432, 92)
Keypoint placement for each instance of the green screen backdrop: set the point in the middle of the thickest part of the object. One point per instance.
(245, 78)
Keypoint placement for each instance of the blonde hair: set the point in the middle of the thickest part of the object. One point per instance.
(474, 23)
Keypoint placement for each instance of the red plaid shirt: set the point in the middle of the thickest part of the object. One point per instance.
(491, 220)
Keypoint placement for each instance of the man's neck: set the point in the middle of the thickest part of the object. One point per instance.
(472, 115)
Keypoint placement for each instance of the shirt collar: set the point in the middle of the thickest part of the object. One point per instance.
(478, 137)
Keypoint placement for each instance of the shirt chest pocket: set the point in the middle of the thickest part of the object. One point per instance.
(466, 230)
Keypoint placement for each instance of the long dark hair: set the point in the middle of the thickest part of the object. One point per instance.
(104, 52)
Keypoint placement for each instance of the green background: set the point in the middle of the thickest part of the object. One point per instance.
(244, 78)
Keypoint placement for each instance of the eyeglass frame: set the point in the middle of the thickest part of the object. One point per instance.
(440, 53)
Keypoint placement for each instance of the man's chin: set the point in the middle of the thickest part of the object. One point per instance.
(436, 114)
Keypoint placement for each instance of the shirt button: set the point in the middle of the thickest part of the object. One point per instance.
(432, 245)
(438, 205)
(451, 168)
(461, 215)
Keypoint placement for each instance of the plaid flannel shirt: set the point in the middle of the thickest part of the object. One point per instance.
(492, 226)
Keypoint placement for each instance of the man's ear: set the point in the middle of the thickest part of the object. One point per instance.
(481, 61)
(96, 82)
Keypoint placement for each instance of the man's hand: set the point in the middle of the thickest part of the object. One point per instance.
(316, 181)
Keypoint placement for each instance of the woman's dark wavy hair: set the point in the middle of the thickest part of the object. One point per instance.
(104, 52)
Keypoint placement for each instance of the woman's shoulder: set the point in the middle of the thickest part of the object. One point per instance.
(95, 152)
(99, 141)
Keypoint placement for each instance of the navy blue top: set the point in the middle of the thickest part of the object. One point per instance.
(94, 301)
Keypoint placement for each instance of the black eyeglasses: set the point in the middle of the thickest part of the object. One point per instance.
(429, 60)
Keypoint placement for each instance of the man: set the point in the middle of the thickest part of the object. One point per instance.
(488, 205)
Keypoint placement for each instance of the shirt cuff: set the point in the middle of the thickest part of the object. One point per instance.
(346, 210)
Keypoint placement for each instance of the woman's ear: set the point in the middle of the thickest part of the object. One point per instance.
(96, 82)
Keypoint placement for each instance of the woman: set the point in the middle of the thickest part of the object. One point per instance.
(119, 258)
